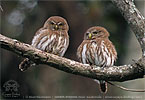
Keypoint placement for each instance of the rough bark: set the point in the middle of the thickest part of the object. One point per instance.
(114, 73)
(134, 18)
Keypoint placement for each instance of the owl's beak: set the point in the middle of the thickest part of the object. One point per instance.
(90, 35)
(56, 27)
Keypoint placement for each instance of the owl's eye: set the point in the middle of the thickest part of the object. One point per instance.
(99, 31)
(52, 23)
(87, 34)
(60, 24)
(95, 32)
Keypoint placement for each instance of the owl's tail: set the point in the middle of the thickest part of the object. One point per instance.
(103, 86)
(26, 63)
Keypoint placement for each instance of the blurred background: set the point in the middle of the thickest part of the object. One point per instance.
(20, 20)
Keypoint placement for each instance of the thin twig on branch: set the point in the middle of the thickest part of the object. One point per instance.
(114, 73)
(126, 89)
(1, 8)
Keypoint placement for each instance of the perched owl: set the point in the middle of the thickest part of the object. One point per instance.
(52, 38)
(97, 49)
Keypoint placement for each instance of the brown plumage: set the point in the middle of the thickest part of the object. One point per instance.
(97, 49)
(52, 38)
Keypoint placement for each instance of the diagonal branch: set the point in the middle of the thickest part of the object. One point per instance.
(134, 18)
(114, 73)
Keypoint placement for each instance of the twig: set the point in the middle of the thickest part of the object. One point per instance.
(126, 89)
(1, 8)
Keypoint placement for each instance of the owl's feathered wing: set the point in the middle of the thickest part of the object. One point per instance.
(51, 42)
(97, 52)
(48, 41)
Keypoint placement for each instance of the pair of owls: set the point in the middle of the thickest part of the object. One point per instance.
(96, 48)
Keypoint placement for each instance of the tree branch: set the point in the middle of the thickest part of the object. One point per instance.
(114, 73)
(134, 18)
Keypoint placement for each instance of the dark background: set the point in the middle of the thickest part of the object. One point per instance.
(21, 19)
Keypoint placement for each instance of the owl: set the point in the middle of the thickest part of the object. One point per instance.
(52, 38)
(97, 49)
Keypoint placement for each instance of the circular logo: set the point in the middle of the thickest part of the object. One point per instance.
(11, 89)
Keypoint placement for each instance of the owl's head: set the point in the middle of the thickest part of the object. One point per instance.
(56, 23)
(96, 32)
